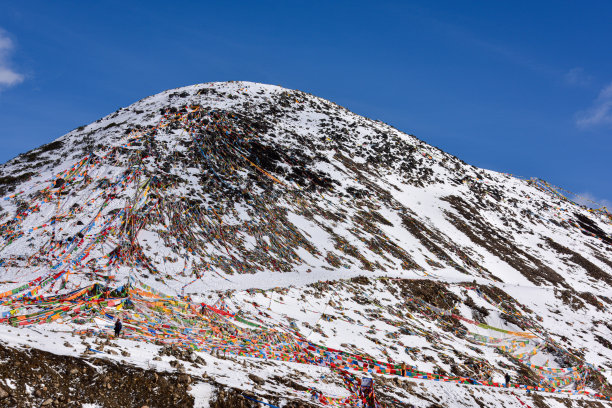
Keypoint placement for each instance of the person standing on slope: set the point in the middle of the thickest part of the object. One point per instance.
(507, 378)
(367, 392)
(118, 327)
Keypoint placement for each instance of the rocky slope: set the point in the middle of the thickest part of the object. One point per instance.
(316, 223)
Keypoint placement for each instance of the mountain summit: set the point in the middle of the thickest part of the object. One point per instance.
(238, 191)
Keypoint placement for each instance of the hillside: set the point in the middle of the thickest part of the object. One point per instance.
(322, 243)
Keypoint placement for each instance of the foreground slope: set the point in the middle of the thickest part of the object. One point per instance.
(355, 236)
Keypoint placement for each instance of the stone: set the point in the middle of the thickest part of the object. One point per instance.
(257, 380)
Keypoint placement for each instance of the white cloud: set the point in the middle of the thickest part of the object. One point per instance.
(8, 77)
(601, 111)
(589, 200)
(577, 77)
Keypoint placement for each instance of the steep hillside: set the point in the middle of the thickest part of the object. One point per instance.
(321, 244)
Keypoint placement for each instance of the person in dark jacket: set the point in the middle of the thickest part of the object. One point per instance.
(118, 327)
(507, 378)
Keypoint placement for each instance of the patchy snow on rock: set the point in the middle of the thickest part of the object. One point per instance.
(264, 244)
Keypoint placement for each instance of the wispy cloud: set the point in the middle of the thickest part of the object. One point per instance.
(504, 51)
(589, 200)
(600, 113)
(577, 77)
(8, 76)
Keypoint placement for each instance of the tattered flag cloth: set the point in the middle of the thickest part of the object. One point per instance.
(152, 316)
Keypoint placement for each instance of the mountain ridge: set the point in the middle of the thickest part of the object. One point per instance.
(216, 189)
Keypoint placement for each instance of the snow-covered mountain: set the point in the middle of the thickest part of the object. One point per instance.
(288, 211)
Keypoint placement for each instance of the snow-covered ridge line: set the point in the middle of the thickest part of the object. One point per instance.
(219, 188)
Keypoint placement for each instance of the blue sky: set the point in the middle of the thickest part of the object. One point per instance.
(519, 87)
